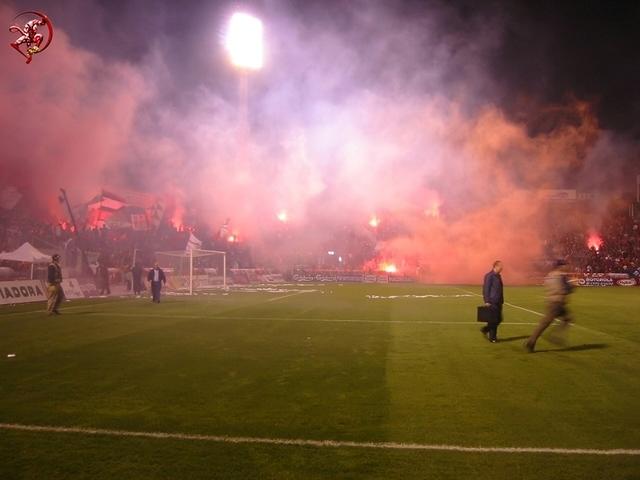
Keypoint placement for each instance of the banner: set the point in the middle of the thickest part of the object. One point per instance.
(72, 288)
(588, 281)
(22, 291)
(607, 280)
(398, 278)
(139, 222)
(349, 276)
(155, 214)
(558, 195)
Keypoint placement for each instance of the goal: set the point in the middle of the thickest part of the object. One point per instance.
(194, 269)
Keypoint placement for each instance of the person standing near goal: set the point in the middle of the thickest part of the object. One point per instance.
(156, 278)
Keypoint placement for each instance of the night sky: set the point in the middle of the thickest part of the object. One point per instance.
(544, 53)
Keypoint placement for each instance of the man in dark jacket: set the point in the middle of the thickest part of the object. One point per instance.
(102, 279)
(156, 277)
(136, 273)
(55, 293)
(492, 292)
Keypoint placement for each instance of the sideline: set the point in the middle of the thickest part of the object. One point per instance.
(313, 443)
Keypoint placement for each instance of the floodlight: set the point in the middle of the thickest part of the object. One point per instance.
(243, 41)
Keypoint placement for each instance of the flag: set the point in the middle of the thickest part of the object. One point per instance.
(107, 201)
(139, 221)
(101, 207)
(155, 213)
(193, 243)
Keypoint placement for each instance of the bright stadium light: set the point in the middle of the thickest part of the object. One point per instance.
(374, 222)
(243, 41)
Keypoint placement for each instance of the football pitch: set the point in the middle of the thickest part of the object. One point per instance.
(320, 381)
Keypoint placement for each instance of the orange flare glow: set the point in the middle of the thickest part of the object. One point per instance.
(594, 241)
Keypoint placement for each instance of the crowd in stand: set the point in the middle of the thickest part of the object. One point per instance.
(111, 248)
(614, 248)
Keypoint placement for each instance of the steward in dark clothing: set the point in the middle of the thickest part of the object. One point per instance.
(102, 279)
(55, 293)
(136, 273)
(492, 292)
(156, 277)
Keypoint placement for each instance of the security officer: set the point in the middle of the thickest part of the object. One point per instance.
(55, 293)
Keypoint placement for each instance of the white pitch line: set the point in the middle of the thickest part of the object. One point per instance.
(525, 309)
(315, 443)
(573, 325)
(287, 296)
(294, 319)
(63, 308)
(506, 303)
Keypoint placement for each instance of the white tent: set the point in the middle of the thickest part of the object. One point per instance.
(26, 253)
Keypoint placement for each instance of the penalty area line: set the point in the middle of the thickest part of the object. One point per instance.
(298, 442)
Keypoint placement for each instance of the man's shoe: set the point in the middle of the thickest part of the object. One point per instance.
(529, 348)
(493, 340)
(57, 312)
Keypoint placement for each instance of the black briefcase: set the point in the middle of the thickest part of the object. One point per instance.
(487, 314)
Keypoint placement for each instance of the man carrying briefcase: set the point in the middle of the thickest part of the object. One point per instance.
(492, 292)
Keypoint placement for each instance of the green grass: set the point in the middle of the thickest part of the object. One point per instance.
(265, 364)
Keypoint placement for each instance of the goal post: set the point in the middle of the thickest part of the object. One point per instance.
(195, 269)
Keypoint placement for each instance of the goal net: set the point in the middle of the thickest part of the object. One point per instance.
(188, 271)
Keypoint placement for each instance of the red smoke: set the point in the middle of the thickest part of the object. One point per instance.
(65, 119)
(456, 187)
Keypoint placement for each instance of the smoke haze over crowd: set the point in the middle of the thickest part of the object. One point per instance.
(362, 110)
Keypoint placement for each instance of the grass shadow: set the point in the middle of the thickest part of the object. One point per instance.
(513, 339)
(576, 348)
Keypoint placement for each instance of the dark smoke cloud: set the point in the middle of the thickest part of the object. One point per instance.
(361, 110)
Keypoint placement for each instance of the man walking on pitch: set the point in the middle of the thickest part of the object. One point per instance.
(492, 292)
(136, 273)
(156, 277)
(558, 287)
(55, 293)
